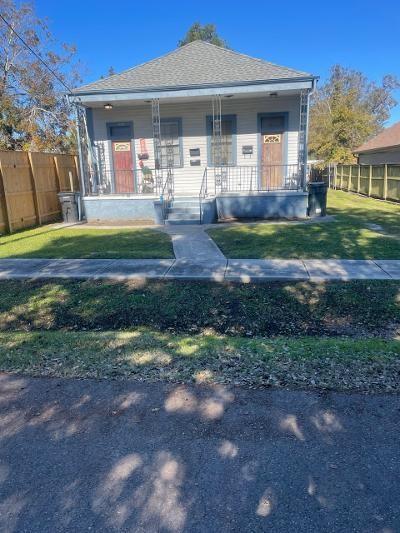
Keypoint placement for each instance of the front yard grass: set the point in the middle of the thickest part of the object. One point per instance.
(335, 335)
(354, 309)
(351, 235)
(52, 242)
(148, 355)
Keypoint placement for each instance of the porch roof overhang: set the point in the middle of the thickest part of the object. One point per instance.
(121, 96)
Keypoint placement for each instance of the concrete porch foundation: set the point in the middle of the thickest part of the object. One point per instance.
(274, 204)
(244, 205)
(122, 209)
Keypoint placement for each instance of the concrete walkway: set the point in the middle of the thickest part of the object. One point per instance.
(213, 268)
(192, 243)
(122, 456)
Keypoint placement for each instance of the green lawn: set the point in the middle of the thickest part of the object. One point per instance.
(355, 309)
(336, 335)
(348, 236)
(80, 242)
(148, 355)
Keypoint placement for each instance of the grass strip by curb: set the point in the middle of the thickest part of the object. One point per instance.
(353, 309)
(369, 365)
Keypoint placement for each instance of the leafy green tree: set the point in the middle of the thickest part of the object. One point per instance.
(207, 33)
(34, 114)
(347, 110)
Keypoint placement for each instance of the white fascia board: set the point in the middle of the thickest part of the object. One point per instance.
(187, 93)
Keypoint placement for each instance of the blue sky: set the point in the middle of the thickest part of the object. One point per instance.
(307, 35)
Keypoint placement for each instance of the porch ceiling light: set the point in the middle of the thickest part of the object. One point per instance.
(273, 95)
(229, 96)
(108, 106)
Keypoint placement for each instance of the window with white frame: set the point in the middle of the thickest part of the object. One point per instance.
(171, 146)
(227, 153)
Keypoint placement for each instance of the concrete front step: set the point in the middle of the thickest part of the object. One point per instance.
(195, 210)
(184, 214)
(182, 221)
(184, 210)
(185, 203)
(188, 196)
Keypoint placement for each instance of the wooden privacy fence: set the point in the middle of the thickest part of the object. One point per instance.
(29, 184)
(379, 181)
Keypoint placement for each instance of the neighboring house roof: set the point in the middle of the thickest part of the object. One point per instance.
(388, 138)
(196, 64)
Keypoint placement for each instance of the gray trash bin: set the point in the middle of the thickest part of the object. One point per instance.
(317, 193)
(69, 206)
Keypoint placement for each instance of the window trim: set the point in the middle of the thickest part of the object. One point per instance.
(233, 119)
(178, 120)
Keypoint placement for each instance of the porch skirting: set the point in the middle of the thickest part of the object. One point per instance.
(229, 205)
(272, 204)
(122, 209)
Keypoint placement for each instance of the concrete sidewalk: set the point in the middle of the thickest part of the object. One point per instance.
(214, 269)
(122, 456)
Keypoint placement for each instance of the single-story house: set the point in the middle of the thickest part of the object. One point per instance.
(199, 134)
(382, 149)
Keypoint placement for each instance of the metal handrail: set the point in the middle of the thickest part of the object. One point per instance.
(167, 193)
(203, 192)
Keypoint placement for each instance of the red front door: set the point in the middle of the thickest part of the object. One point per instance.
(123, 167)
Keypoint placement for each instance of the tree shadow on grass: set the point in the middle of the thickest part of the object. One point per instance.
(357, 308)
(361, 228)
(205, 358)
(338, 239)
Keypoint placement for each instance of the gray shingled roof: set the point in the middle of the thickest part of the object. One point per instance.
(193, 65)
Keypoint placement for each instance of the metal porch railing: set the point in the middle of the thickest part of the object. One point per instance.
(126, 181)
(203, 193)
(255, 178)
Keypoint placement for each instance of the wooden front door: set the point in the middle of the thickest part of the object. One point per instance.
(124, 178)
(272, 136)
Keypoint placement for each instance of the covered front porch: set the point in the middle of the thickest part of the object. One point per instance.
(195, 158)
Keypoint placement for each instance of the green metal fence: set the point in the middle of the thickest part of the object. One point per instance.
(378, 181)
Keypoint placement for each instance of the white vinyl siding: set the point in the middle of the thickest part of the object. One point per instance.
(193, 116)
